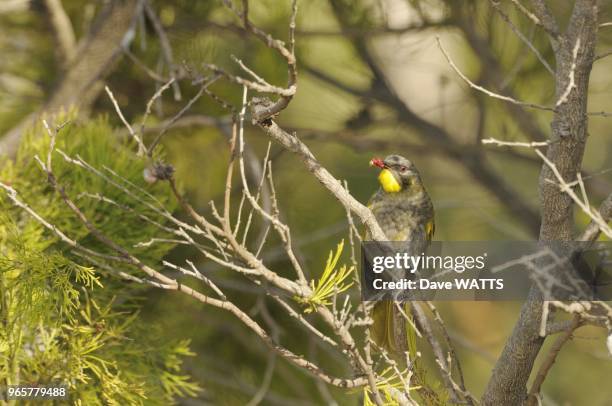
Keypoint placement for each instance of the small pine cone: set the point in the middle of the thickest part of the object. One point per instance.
(158, 171)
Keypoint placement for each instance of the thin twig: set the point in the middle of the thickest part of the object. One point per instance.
(155, 96)
(178, 115)
(550, 360)
(522, 37)
(165, 47)
(486, 91)
(532, 144)
(141, 147)
(589, 211)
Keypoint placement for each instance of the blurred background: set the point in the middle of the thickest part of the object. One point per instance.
(372, 81)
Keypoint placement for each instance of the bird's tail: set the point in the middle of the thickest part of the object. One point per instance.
(390, 329)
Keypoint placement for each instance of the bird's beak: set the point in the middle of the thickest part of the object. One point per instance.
(377, 162)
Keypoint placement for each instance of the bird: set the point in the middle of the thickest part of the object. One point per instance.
(403, 209)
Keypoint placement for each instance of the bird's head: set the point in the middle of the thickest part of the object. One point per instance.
(397, 173)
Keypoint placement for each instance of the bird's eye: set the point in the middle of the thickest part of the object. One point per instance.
(403, 169)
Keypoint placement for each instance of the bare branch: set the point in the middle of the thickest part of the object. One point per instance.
(527, 13)
(453, 355)
(546, 19)
(155, 96)
(13, 196)
(169, 283)
(150, 72)
(282, 229)
(603, 55)
(514, 144)
(549, 361)
(287, 53)
(486, 91)
(62, 28)
(437, 350)
(592, 231)
(141, 147)
(259, 85)
(178, 115)
(519, 34)
(599, 218)
(304, 322)
(586, 208)
(165, 47)
(333, 185)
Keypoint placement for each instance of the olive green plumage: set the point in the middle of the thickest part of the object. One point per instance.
(405, 212)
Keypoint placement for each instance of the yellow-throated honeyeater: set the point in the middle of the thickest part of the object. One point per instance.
(404, 211)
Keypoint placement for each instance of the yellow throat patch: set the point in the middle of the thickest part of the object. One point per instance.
(388, 181)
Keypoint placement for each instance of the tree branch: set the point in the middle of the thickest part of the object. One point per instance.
(293, 144)
(62, 27)
(536, 386)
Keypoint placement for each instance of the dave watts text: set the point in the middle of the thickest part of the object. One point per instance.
(426, 284)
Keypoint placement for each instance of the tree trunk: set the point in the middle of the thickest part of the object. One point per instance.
(574, 53)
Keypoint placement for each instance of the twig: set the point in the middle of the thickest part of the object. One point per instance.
(12, 194)
(305, 323)
(288, 54)
(141, 147)
(150, 72)
(486, 91)
(589, 211)
(544, 321)
(165, 47)
(519, 34)
(453, 354)
(527, 13)
(550, 360)
(265, 383)
(245, 68)
(438, 353)
(333, 185)
(532, 144)
(599, 113)
(155, 96)
(601, 56)
(282, 229)
(171, 283)
(178, 115)
(545, 19)
(399, 307)
(592, 231)
(262, 87)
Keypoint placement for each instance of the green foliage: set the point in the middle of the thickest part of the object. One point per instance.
(97, 145)
(63, 319)
(391, 389)
(332, 282)
(390, 384)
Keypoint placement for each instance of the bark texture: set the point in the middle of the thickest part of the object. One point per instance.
(574, 54)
